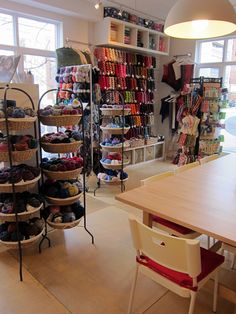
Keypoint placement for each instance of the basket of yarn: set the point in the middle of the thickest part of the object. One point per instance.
(113, 144)
(114, 129)
(23, 147)
(29, 233)
(60, 115)
(61, 142)
(23, 177)
(18, 118)
(61, 192)
(62, 168)
(65, 217)
(113, 161)
(27, 205)
(113, 176)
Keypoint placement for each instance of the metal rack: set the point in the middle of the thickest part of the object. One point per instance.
(82, 154)
(11, 162)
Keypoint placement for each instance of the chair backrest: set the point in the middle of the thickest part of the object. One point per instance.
(208, 158)
(187, 166)
(175, 253)
(157, 177)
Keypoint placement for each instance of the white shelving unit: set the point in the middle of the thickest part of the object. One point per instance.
(111, 32)
(145, 153)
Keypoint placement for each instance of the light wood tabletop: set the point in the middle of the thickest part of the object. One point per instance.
(202, 198)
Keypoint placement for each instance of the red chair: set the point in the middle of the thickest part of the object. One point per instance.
(178, 264)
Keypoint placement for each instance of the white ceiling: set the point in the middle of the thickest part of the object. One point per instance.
(86, 10)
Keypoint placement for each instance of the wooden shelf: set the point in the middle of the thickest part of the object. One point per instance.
(111, 32)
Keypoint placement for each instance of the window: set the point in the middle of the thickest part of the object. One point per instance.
(217, 58)
(36, 40)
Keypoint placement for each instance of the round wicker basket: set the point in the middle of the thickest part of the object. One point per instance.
(114, 130)
(115, 167)
(62, 225)
(114, 182)
(17, 124)
(21, 216)
(60, 120)
(115, 112)
(61, 148)
(19, 187)
(63, 201)
(62, 175)
(24, 243)
(114, 148)
(18, 156)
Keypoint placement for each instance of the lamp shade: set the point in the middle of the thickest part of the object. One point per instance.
(195, 19)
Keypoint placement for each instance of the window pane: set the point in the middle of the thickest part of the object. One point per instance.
(44, 72)
(37, 35)
(231, 50)
(230, 81)
(6, 27)
(209, 72)
(211, 51)
(6, 52)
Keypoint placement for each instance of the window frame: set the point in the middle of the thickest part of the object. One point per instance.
(18, 50)
(220, 65)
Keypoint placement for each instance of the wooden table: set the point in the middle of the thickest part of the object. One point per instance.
(202, 199)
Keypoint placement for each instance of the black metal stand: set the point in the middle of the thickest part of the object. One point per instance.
(6, 89)
(103, 98)
(83, 156)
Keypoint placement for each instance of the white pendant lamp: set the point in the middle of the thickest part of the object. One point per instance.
(194, 19)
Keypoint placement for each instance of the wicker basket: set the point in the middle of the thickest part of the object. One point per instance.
(24, 243)
(151, 140)
(19, 187)
(114, 130)
(114, 182)
(62, 175)
(17, 124)
(115, 112)
(21, 216)
(115, 148)
(62, 225)
(114, 167)
(61, 148)
(63, 201)
(60, 120)
(136, 142)
(18, 156)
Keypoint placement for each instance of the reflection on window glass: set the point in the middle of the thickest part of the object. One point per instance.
(43, 70)
(209, 72)
(37, 35)
(6, 52)
(6, 27)
(230, 81)
(231, 50)
(212, 51)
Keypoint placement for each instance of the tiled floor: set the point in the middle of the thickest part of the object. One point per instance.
(74, 276)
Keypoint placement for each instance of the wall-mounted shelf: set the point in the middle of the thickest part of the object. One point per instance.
(115, 33)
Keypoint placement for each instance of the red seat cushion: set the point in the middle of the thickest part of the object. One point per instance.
(172, 225)
(209, 262)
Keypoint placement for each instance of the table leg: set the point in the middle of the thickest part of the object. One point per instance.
(147, 220)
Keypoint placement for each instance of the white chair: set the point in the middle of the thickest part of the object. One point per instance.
(187, 167)
(174, 263)
(208, 159)
(231, 249)
(164, 224)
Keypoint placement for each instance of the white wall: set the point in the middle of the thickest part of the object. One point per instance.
(73, 27)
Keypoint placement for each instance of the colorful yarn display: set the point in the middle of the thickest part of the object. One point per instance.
(18, 112)
(61, 109)
(18, 173)
(62, 164)
(8, 231)
(18, 142)
(61, 189)
(61, 137)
